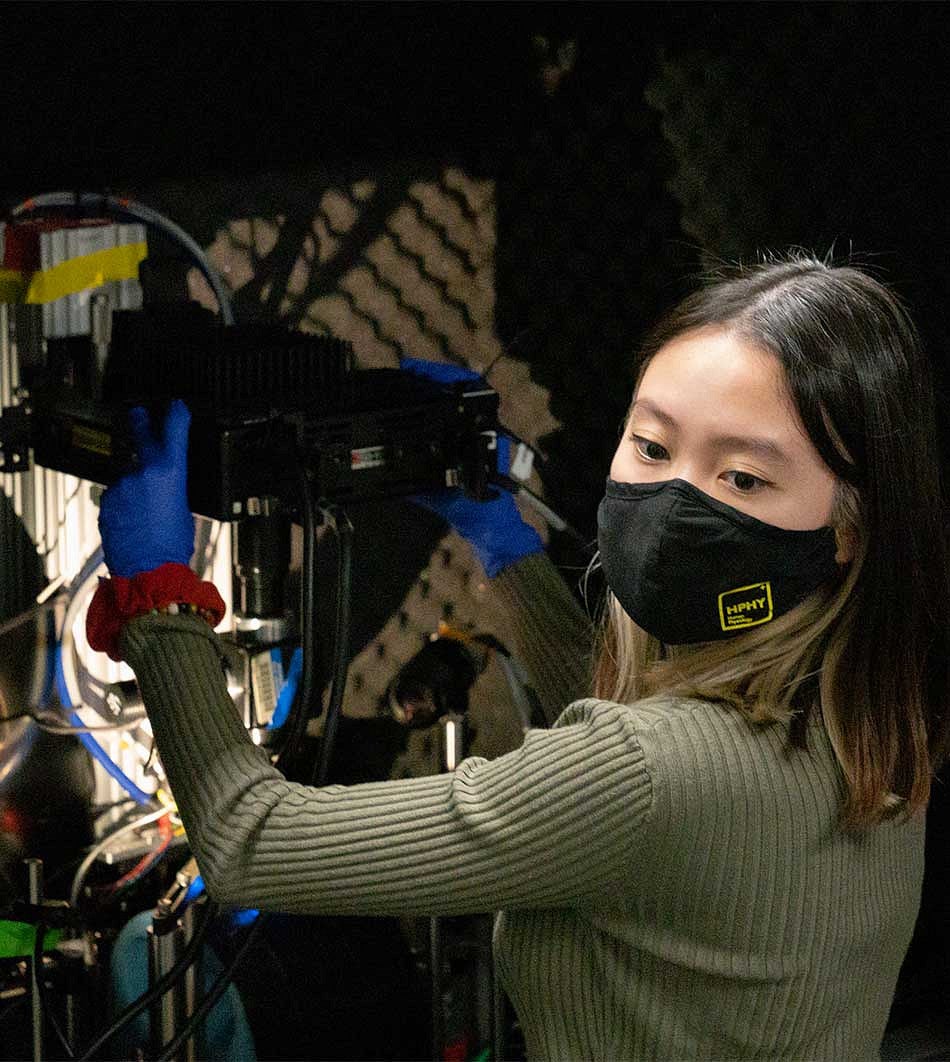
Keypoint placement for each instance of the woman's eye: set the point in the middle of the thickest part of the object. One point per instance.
(649, 450)
(745, 482)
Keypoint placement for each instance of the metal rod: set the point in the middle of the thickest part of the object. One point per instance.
(435, 969)
(72, 1019)
(163, 944)
(499, 1039)
(35, 876)
(189, 982)
(485, 987)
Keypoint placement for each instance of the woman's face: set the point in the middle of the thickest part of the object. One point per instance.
(713, 409)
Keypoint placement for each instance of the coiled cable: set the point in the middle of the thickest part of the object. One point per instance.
(97, 850)
(97, 204)
(67, 681)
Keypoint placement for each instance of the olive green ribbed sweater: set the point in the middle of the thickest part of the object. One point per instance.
(672, 880)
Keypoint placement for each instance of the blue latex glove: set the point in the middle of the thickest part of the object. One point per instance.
(144, 519)
(494, 529)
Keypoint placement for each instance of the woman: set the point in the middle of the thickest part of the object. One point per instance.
(718, 854)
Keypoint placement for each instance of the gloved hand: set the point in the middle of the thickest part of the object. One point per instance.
(494, 529)
(144, 519)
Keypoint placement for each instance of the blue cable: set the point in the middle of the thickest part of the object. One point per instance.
(240, 916)
(287, 691)
(244, 916)
(93, 746)
(195, 889)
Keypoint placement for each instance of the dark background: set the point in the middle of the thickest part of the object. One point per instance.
(677, 134)
(632, 146)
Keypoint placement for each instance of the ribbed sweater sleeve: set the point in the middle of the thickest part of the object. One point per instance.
(550, 824)
(673, 882)
(553, 635)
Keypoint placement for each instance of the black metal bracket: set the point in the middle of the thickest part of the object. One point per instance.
(15, 434)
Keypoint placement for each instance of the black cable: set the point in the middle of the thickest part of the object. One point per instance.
(216, 991)
(296, 724)
(161, 986)
(344, 537)
(53, 723)
(46, 1009)
(501, 479)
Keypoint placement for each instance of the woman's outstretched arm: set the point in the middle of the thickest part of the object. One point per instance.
(551, 823)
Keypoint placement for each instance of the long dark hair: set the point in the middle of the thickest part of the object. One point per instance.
(875, 647)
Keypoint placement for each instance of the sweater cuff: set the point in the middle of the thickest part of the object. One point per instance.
(118, 600)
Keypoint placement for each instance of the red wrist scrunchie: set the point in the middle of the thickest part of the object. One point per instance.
(118, 600)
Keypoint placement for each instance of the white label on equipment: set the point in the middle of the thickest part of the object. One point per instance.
(367, 457)
(264, 686)
(522, 463)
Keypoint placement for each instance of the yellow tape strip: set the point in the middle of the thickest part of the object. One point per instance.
(87, 271)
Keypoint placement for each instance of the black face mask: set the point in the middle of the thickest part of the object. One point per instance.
(688, 568)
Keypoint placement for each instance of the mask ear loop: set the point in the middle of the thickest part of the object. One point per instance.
(593, 565)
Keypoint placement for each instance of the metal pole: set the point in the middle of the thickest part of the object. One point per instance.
(72, 1019)
(499, 1018)
(435, 967)
(450, 750)
(35, 872)
(163, 946)
(189, 981)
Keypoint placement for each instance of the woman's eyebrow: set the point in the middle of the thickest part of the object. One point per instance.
(654, 410)
(767, 449)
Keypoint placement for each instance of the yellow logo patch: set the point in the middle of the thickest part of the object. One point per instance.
(746, 606)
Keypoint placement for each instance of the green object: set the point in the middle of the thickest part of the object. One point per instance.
(16, 938)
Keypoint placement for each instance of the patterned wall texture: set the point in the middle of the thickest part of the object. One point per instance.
(397, 264)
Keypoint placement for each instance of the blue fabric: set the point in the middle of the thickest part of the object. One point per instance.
(494, 529)
(440, 371)
(144, 519)
(227, 1033)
